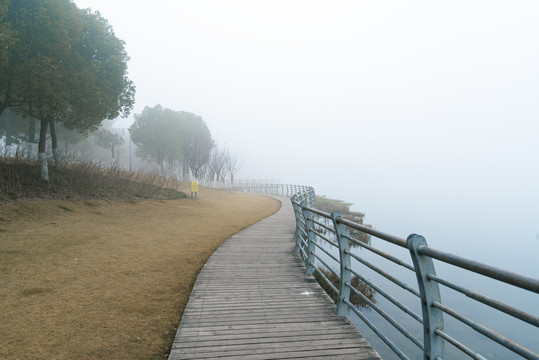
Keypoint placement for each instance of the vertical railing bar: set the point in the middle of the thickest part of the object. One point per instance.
(346, 277)
(430, 293)
(310, 239)
(298, 225)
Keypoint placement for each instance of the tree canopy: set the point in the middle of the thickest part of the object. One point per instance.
(197, 143)
(61, 64)
(108, 139)
(157, 133)
(165, 135)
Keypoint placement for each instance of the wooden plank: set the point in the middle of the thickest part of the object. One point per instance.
(256, 328)
(252, 300)
(273, 348)
(272, 353)
(261, 333)
(245, 341)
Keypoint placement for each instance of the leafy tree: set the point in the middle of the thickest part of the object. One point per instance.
(197, 144)
(12, 128)
(166, 135)
(62, 65)
(42, 34)
(108, 139)
(157, 132)
(102, 89)
(7, 40)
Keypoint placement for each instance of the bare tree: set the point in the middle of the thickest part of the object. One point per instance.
(233, 166)
(218, 163)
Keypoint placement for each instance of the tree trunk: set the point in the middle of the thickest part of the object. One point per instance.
(41, 150)
(31, 138)
(112, 151)
(3, 106)
(160, 161)
(9, 140)
(55, 153)
(185, 171)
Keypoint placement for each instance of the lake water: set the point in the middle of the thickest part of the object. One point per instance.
(506, 239)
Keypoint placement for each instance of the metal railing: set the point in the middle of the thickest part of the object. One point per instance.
(335, 230)
(313, 225)
(269, 187)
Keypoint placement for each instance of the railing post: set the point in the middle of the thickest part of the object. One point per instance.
(344, 257)
(312, 197)
(432, 317)
(298, 213)
(309, 269)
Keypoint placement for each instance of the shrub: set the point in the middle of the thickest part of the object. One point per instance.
(80, 179)
(356, 283)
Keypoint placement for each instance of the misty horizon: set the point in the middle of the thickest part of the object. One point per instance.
(423, 115)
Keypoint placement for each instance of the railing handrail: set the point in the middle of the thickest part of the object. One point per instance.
(492, 272)
(434, 336)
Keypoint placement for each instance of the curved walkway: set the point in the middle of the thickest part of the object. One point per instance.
(252, 300)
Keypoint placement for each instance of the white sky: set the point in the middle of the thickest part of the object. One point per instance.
(382, 103)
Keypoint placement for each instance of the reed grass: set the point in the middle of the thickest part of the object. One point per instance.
(81, 179)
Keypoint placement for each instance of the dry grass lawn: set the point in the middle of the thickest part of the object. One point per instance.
(107, 280)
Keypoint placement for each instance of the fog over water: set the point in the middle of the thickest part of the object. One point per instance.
(423, 114)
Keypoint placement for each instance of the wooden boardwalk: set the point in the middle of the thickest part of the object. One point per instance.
(252, 300)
